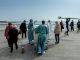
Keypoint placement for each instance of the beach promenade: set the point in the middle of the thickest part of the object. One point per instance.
(68, 49)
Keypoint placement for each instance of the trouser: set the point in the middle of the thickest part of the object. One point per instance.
(11, 45)
(15, 46)
(41, 48)
(78, 29)
(8, 42)
(61, 29)
(23, 34)
(30, 41)
(67, 30)
(72, 28)
(30, 36)
(49, 34)
(41, 43)
(57, 38)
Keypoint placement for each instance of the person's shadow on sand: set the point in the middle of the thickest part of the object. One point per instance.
(29, 53)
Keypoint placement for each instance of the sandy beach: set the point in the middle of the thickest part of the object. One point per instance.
(68, 49)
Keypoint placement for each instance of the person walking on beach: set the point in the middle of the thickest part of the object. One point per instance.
(67, 26)
(23, 28)
(78, 25)
(50, 29)
(13, 38)
(72, 25)
(62, 25)
(57, 31)
(30, 32)
(8, 27)
(42, 30)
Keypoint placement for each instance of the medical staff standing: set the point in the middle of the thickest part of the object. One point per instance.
(42, 30)
(30, 32)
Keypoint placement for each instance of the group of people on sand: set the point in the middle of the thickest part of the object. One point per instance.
(71, 24)
(11, 33)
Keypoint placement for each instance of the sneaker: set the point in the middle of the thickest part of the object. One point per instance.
(39, 52)
(44, 52)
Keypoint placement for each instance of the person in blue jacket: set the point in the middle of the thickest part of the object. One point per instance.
(30, 31)
(42, 30)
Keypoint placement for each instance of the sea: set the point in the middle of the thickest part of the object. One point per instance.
(36, 23)
(17, 24)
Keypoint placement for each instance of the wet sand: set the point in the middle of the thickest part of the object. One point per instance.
(68, 49)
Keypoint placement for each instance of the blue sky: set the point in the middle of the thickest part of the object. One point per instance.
(38, 9)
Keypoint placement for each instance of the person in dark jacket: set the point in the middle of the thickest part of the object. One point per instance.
(23, 28)
(13, 38)
(62, 25)
(72, 25)
(78, 25)
(67, 26)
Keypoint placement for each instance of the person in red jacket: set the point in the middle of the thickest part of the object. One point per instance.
(8, 27)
